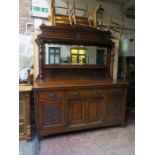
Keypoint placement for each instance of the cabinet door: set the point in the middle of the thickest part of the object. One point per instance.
(51, 114)
(94, 110)
(115, 106)
(76, 112)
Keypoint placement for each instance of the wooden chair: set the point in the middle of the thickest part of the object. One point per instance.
(83, 20)
(115, 27)
(112, 25)
(60, 19)
(98, 10)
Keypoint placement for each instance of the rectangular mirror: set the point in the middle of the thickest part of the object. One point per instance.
(72, 54)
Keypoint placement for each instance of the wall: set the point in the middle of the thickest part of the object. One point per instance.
(24, 8)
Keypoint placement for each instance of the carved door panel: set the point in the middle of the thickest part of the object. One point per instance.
(115, 106)
(52, 114)
(76, 112)
(94, 110)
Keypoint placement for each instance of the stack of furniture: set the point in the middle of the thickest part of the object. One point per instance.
(98, 15)
(115, 26)
(83, 20)
(72, 14)
(60, 19)
(70, 97)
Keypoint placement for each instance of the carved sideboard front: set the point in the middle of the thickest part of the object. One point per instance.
(71, 109)
(75, 89)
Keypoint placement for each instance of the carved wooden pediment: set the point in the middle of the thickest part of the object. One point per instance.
(74, 35)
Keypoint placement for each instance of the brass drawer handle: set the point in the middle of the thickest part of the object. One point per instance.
(76, 94)
(50, 94)
(96, 94)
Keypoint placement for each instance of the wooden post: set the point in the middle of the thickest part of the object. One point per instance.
(68, 13)
(28, 127)
(86, 11)
(53, 12)
(74, 12)
(41, 62)
(112, 61)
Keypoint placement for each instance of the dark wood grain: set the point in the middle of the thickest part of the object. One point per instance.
(75, 97)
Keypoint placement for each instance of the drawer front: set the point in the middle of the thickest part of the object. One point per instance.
(50, 95)
(85, 93)
(116, 91)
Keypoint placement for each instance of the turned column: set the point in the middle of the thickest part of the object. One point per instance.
(41, 60)
(112, 61)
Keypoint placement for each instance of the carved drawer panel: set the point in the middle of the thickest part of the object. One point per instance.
(51, 115)
(50, 95)
(114, 106)
(85, 93)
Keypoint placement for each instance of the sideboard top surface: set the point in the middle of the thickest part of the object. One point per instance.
(77, 83)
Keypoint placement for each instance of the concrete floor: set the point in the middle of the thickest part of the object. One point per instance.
(29, 147)
(106, 141)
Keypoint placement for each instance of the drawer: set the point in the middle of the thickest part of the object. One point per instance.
(85, 93)
(116, 91)
(50, 95)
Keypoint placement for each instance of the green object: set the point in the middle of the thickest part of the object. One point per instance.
(44, 10)
(39, 9)
(36, 8)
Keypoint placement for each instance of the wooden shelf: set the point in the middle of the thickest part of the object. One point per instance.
(25, 87)
(63, 65)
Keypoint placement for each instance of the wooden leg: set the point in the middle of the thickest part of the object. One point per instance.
(29, 139)
(123, 124)
(40, 138)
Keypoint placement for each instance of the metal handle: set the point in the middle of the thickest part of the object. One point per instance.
(96, 93)
(76, 94)
(50, 94)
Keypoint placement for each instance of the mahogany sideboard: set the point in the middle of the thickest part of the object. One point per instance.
(71, 97)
